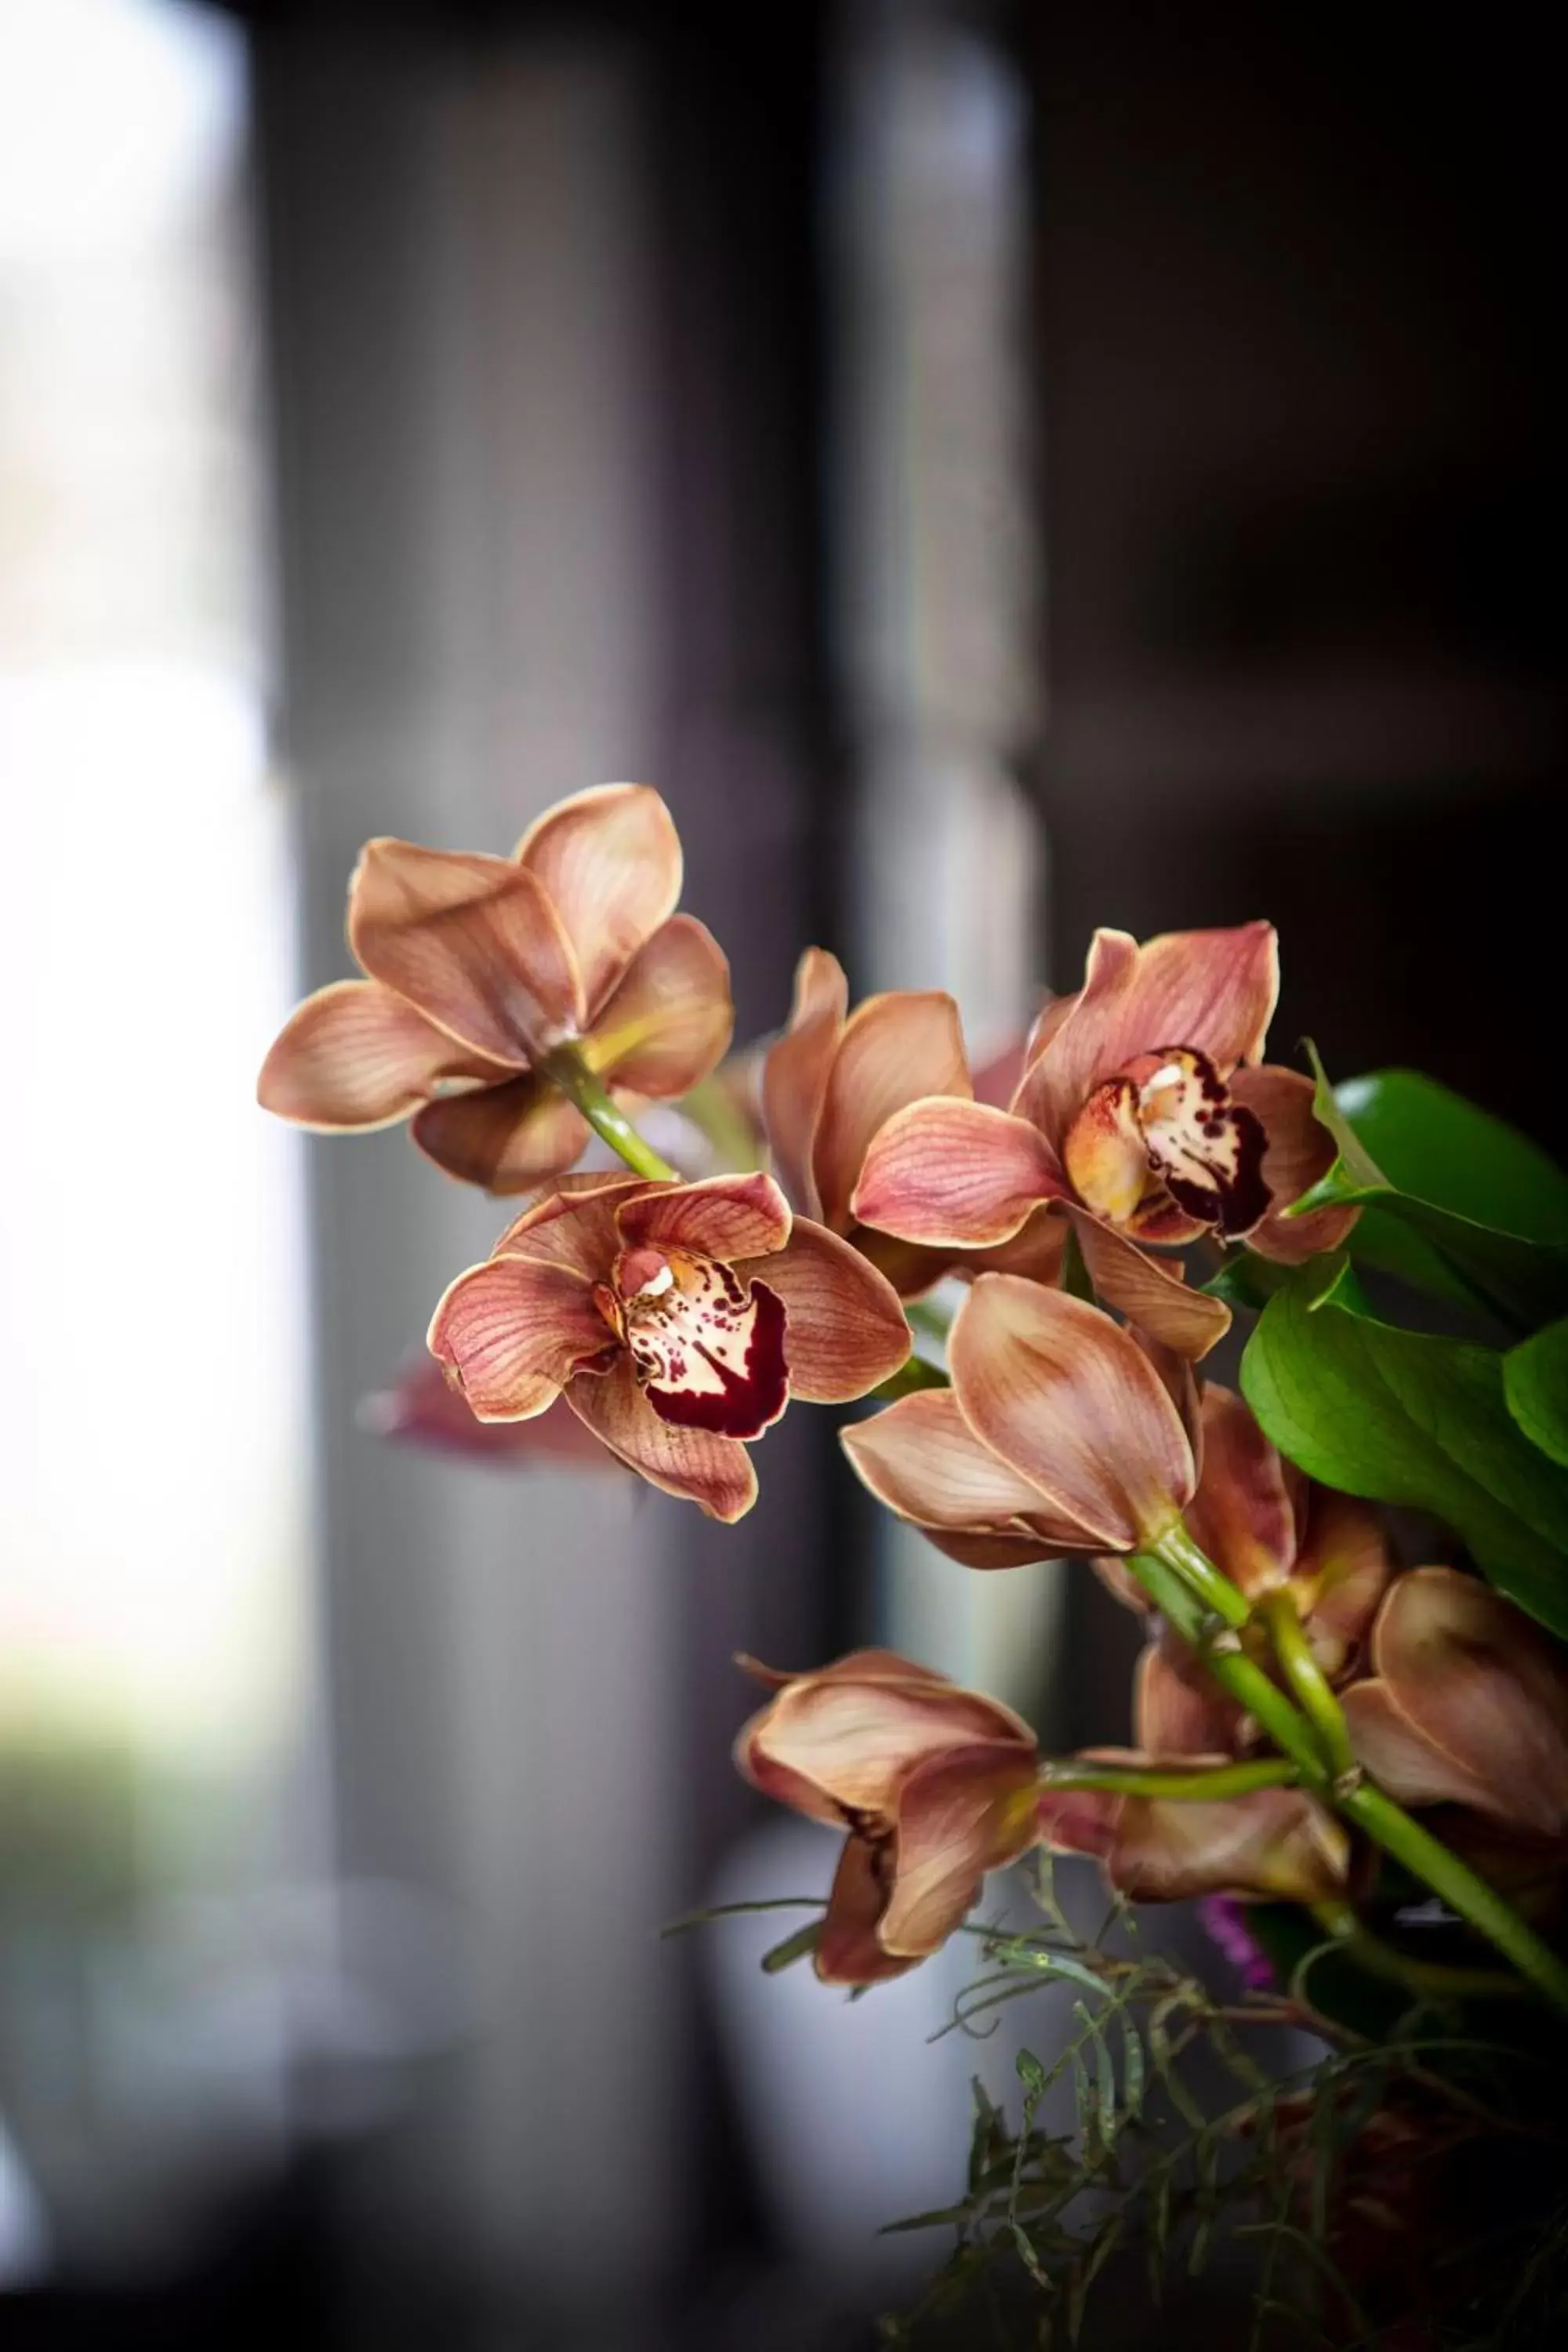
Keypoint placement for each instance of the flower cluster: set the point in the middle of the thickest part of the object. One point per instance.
(1304, 1708)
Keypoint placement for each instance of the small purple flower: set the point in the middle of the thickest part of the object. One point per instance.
(1225, 1921)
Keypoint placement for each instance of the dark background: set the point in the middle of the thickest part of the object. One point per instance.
(1292, 479)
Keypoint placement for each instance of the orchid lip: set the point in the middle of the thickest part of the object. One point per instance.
(707, 1348)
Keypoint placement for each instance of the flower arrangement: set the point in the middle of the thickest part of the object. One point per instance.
(1353, 1748)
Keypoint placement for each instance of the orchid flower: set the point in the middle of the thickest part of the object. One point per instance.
(935, 1786)
(1276, 1843)
(477, 968)
(1467, 1705)
(1270, 1529)
(676, 1320)
(1057, 1435)
(420, 1407)
(834, 1078)
(1142, 1116)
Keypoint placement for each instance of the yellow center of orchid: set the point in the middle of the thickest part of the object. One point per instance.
(1162, 1148)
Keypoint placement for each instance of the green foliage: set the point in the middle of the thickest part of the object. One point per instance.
(1402, 1417)
(1453, 1200)
(1535, 1382)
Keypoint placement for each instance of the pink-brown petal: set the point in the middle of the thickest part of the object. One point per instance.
(851, 1952)
(796, 1073)
(422, 1408)
(670, 1021)
(846, 1332)
(893, 1050)
(1480, 1681)
(610, 861)
(358, 1055)
(473, 941)
(1404, 1764)
(724, 1217)
(1275, 1842)
(1022, 1548)
(574, 1223)
(511, 1333)
(1298, 1151)
(857, 1740)
(511, 1138)
(955, 1175)
(920, 1458)
(1177, 1709)
(1150, 1291)
(1244, 1514)
(1341, 1574)
(959, 1816)
(714, 1471)
(1069, 1401)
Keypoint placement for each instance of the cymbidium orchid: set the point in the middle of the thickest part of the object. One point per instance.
(677, 1320)
(476, 968)
(1467, 1705)
(1142, 1116)
(1057, 1435)
(934, 1785)
(1280, 1539)
(831, 1082)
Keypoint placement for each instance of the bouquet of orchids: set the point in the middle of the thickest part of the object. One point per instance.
(1362, 1763)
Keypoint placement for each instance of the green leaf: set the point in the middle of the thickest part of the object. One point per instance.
(1402, 1417)
(1535, 1381)
(794, 1948)
(1456, 1201)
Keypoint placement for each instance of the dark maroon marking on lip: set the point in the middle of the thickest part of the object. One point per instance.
(746, 1402)
(1243, 1197)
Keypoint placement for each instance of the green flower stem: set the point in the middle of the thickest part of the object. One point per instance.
(1279, 1616)
(1165, 1574)
(1434, 1977)
(1218, 1593)
(567, 1069)
(1204, 1783)
(923, 1316)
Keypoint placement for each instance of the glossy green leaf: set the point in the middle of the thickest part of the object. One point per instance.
(1535, 1381)
(1402, 1417)
(1455, 1200)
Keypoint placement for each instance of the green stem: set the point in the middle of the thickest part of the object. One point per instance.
(1198, 1573)
(1165, 1574)
(1203, 1783)
(566, 1068)
(1306, 1679)
(1386, 1960)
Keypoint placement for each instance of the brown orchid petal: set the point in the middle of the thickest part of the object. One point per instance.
(1244, 1514)
(856, 1740)
(1024, 1550)
(1083, 1821)
(722, 1217)
(850, 1952)
(610, 861)
(1069, 1401)
(421, 1407)
(1121, 1584)
(956, 1174)
(509, 1138)
(357, 1055)
(670, 1020)
(696, 1464)
(959, 1816)
(1276, 1842)
(1481, 1681)
(894, 1050)
(846, 1330)
(998, 1080)
(1341, 1575)
(796, 1073)
(473, 941)
(1177, 1709)
(1036, 1249)
(920, 1458)
(512, 1331)
(1149, 1291)
(1213, 991)
(855, 1665)
(1183, 1385)
(574, 1223)
(1297, 1152)
(1407, 1766)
